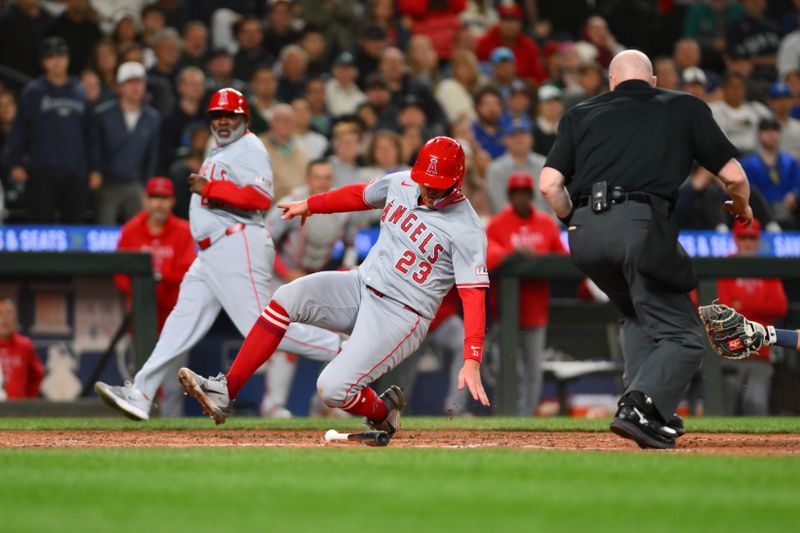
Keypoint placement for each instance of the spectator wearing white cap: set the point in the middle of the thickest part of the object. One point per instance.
(127, 148)
(550, 108)
(694, 81)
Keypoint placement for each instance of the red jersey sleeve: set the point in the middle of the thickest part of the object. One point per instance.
(248, 197)
(473, 300)
(342, 200)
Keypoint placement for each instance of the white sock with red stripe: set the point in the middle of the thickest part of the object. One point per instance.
(258, 347)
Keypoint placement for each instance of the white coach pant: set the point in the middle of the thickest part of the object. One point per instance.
(233, 274)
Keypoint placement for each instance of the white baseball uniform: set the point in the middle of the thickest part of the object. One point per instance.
(388, 303)
(231, 272)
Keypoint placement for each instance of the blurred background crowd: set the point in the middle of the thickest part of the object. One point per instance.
(99, 96)
(497, 75)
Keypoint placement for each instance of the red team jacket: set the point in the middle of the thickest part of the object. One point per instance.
(762, 300)
(173, 252)
(539, 232)
(22, 369)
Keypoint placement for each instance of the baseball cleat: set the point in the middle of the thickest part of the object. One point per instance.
(638, 420)
(395, 401)
(126, 399)
(212, 393)
(676, 423)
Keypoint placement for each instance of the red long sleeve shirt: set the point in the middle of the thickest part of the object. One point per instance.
(173, 251)
(22, 369)
(762, 300)
(538, 232)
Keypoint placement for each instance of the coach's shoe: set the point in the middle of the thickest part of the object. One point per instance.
(212, 393)
(676, 423)
(126, 399)
(638, 420)
(395, 401)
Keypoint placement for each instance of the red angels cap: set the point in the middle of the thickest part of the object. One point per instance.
(510, 10)
(520, 180)
(160, 186)
(740, 230)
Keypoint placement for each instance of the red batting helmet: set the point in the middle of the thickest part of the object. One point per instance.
(440, 164)
(230, 100)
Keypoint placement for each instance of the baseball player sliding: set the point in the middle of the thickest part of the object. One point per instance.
(430, 239)
(232, 271)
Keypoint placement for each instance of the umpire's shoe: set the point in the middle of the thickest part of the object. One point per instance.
(638, 420)
(676, 423)
(212, 393)
(395, 401)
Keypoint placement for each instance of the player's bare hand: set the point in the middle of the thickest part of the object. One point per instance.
(470, 376)
(196, 183)
(95, 181)
(295, 209)
(746, 216)
(19, 174)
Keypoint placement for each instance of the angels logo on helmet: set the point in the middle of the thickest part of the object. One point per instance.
(432, 166)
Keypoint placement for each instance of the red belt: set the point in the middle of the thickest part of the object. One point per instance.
(379, 294)
(205, 243)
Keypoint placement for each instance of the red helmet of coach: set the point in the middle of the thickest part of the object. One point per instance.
(440, 164)
(229, 100)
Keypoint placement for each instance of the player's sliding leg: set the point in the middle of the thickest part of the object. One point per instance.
(385, 334)
(190, 319)
(327, 299)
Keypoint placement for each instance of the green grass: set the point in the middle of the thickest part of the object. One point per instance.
(248, 490)
(387, 490)
(710, 425)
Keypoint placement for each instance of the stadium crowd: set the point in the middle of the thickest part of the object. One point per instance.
(98, 96)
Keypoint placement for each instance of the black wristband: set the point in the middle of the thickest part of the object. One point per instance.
(565, 220)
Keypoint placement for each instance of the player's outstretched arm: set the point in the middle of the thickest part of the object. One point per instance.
(342, 200)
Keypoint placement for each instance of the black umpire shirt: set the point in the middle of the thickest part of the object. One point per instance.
(638, 138)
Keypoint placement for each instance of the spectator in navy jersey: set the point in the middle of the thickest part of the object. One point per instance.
(50, 144)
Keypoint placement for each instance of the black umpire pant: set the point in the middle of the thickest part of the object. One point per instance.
(662, 338)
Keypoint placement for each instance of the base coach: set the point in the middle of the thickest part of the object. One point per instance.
(613, 176)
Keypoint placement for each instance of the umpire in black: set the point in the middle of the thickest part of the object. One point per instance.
(613, 175)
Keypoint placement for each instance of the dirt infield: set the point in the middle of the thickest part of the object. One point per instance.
(705, 443)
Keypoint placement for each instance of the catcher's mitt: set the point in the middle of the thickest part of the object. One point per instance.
(731, 335)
